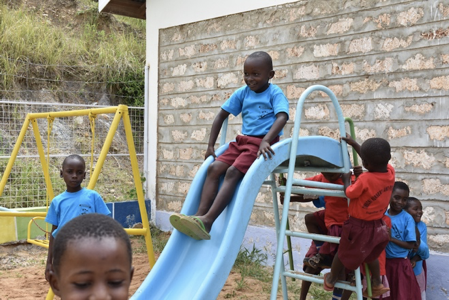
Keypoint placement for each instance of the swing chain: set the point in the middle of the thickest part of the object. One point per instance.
(45, 231)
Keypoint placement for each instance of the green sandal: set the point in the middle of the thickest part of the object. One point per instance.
(176, 222)
(196, 226)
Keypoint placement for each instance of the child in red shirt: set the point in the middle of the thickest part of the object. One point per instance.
(334, 217)
(364, 235)
(336, 214)
(328, 222)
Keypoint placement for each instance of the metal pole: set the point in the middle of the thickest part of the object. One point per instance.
(146, 139)
(138, 184)
(14, 153)
(107, 144)
(44, 162)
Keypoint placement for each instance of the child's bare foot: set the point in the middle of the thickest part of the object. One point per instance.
(377, 291)
(326, 284)
(320, 261)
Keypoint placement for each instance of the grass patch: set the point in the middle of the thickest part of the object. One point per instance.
(158, 237)
(86, 46)
(252, 263)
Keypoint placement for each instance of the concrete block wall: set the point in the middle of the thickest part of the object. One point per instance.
(386, 61)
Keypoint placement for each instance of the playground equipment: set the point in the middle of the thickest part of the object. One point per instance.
(120, 113)
(199, 269)
(316, 154)
(281, 176)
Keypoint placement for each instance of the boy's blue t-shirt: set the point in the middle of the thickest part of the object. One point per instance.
(258, 110)
(67, 206)
(402, 228)
(423, 249)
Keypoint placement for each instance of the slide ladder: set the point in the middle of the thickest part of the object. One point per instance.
(311, 154)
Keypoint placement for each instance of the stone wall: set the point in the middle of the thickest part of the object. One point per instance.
(386, 61)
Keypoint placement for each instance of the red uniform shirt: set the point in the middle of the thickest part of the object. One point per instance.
(336, 207)
(370, 194)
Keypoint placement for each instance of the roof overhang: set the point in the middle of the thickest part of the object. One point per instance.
(128, 8)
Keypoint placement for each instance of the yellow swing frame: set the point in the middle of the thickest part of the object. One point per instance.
(121, 113)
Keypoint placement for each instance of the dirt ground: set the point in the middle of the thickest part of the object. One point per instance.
(22, 275)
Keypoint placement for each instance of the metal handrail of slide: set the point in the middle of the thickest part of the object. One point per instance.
(316, 190)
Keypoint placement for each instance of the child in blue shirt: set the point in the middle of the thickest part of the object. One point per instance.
(75, 201)
(402, 281)
(420, 253)
(264, 110)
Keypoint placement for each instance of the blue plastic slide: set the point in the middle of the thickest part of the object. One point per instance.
(191, 269)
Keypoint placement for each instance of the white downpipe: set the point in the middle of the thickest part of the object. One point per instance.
(146, 148)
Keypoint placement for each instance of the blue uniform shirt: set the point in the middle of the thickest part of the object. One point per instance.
(258, 110)
(67, 206)
(402, 228)
(423, 249)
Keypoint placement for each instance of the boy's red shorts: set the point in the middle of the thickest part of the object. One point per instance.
(361, 241)
(243, 152)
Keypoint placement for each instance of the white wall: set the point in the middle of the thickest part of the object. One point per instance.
(168, 13)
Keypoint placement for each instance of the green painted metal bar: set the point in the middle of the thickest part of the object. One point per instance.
(352, 131)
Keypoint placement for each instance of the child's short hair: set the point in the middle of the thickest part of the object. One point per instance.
(263, 55)
(399, 185)
(73, 156)
(376, 151)
(92, 225)
(409, 202)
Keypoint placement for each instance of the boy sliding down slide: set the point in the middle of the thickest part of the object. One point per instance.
(364, 235)
(264, 110)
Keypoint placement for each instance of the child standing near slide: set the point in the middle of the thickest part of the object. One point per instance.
(400, 274)
(264, 110)
(420, 253)
(92, 259)
(75, 201)
(364, 234)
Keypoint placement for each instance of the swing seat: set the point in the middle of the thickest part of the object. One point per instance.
(41, 243)
(318, 152)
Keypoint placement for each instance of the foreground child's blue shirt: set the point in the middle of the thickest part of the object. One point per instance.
(258, 110)
(67, 206)
(423, 249)
(402, 228)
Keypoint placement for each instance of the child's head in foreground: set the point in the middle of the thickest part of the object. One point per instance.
(375, 153)
(92, 259)
(73, 172)
(398, 197)
(414, 207)
(257, 71)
